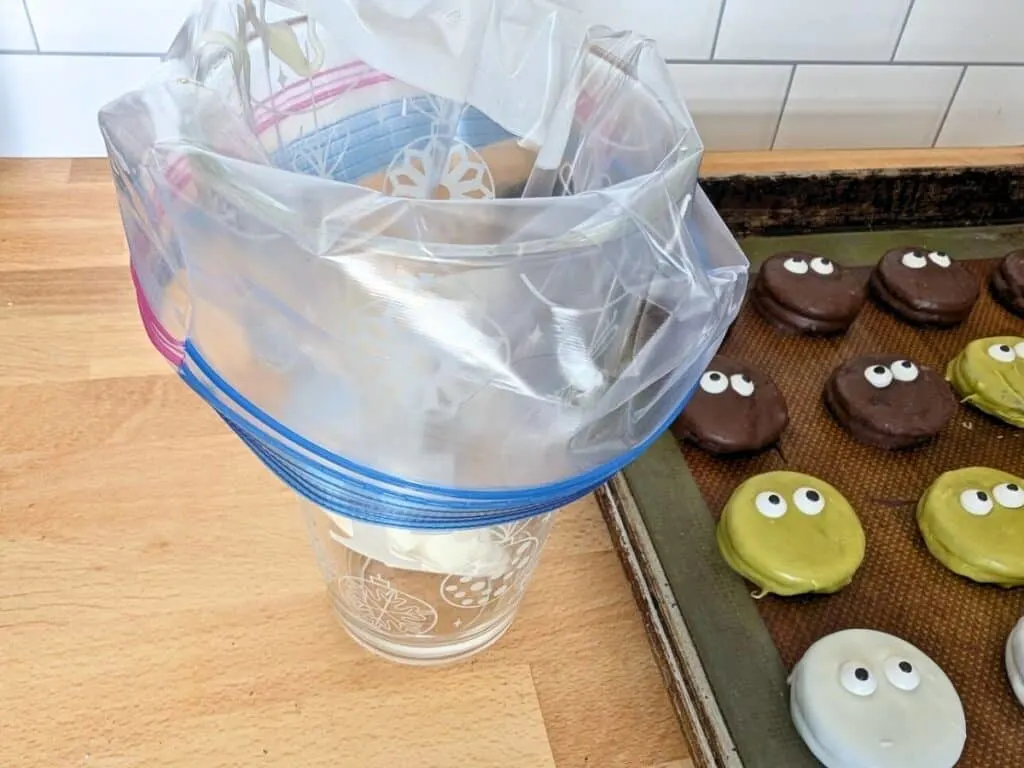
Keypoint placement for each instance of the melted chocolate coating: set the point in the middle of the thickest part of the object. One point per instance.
(809, 303)
(1007, 282)
(727, 422)
(901, 415)
(931, 295)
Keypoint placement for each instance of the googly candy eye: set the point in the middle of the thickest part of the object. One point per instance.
(939, 259)
(1002, 353)
(823, 266)
(976, 502)
(1009, 495)
(796, 266)
(770, 504)
(878, 376)
(914, 260)
(714, 383)
(857, 679)
(904, 370)
(1019, 349)
(901, 673)
(809, 501)
(741, 385)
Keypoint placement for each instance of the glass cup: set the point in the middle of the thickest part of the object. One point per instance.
(419, 597)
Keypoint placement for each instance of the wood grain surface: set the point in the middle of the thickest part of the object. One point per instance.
(159, 605)
(158, 602)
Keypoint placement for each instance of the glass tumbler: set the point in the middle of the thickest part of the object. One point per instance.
(422, 597)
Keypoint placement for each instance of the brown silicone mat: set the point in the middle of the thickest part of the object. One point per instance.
(900, 588)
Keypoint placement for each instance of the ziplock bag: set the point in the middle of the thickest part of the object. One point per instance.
(439, 263)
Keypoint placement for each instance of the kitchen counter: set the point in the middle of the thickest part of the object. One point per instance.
(159, 603)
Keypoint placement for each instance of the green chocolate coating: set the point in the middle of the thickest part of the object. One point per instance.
(990, 385)
(796, 552)
(985, 548)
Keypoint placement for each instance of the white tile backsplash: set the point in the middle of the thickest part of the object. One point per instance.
(988, 109)
(735, 106)
(108, 26)
(846, 90)
(968, 31)
(801, 30)
(15, 32)
(683, 29)
(56, 99)
(865, 106)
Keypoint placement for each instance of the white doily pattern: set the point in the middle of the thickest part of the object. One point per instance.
(430, 167)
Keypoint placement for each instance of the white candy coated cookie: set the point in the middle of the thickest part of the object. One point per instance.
(1015, 660)
(865, 699)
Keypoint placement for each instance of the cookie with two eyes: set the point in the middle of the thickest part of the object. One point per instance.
(924, 287)
(866, 699)
(804, 293)
(988, 374)
(889, 402)
(736, 408)
(972, 521)
(790, 534)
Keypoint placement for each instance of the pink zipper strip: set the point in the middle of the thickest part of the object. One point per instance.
(172, 349)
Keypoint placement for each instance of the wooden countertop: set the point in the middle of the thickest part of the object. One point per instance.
(159, 605)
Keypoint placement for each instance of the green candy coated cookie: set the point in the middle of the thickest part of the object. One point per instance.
(972, 521)
(989, 374)
(791, 533)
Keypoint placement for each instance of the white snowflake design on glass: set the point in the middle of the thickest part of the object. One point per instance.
(378, 605)
(432, 167)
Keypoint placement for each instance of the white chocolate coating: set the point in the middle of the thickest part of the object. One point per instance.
(1015, 660)
(865, 699)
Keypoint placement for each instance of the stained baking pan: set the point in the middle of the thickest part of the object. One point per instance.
(726, 656)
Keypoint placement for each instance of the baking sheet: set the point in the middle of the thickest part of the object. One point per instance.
(746, 647)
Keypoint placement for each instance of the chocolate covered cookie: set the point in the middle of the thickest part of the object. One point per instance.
(924, 287)
(790, 534)
(799, 292)
(735, 409)
(1007, 282)
(889, 402)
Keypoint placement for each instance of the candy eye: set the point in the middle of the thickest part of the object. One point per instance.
(912, 260)
(770, 504)
(1009, 495)
(1002, 353)
(857, 679)
(741, 385)
(1019, 349)
(902, 674)
(904, 370)
(796, 266)
(714, 383)
(976, 502)
(809, 501)
(939, 259)
(822, 266)
(878, 376)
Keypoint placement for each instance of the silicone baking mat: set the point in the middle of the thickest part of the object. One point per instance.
(900, 588)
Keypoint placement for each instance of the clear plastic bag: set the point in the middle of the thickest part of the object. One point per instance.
(451, 268)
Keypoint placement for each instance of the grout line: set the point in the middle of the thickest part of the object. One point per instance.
(31, 25)
(782, 109)
(95, 54)
(903, 28)
(718, 27)
(848, 63)
(949, 107)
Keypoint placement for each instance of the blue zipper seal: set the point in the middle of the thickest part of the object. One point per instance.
(368, 495)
